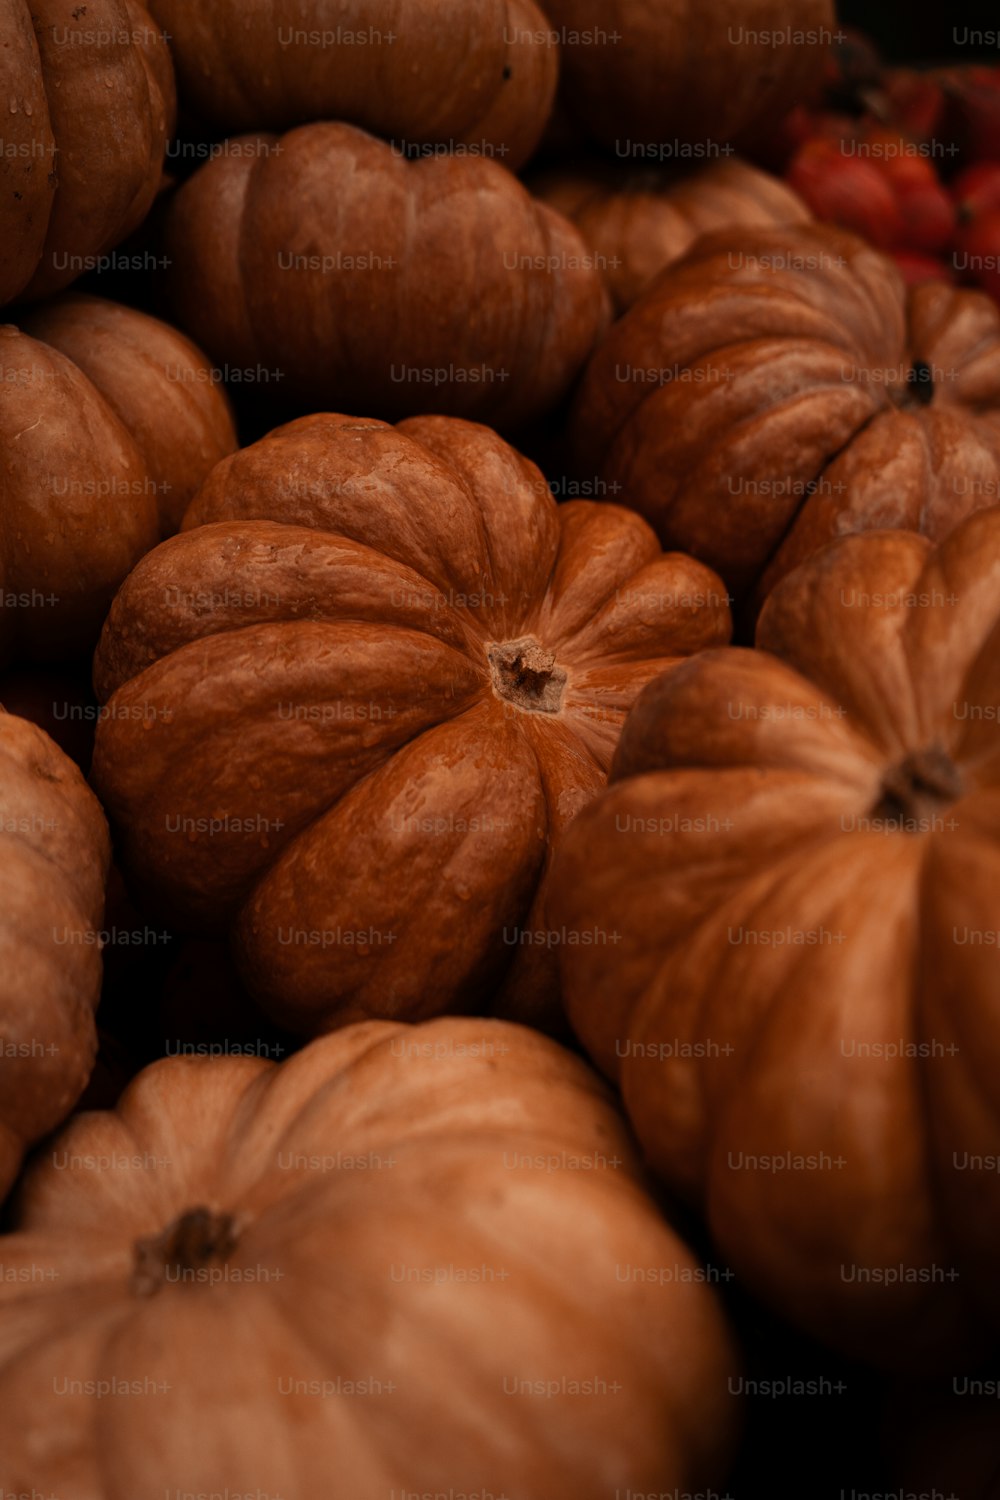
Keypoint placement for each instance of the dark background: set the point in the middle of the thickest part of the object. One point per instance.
(923, 32)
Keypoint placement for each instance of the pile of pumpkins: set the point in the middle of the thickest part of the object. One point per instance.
(574, 882)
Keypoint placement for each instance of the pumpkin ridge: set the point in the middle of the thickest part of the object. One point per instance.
(785, 406)
(803, 508)
(765, 409)
(245, 282)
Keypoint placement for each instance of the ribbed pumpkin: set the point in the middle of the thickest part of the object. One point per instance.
(253, 1246)
(668, 77)
(88, 95)
(109, 420)
(778, 388)
(449, 73)
(360, 279)
(636, 222)
(801, 850)
(352, 703)
(54, 855)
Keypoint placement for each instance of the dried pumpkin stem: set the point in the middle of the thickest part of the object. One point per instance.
(917, 389)
(525, 674)
(922, 782)
(192, 1242)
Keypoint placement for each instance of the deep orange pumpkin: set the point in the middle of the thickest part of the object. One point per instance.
(54, 856)
(352, 704)
(778, 388)
(637, 222)
(109, 420)
(801, 850)
(442, 72)
(88, 97)
(360, 279)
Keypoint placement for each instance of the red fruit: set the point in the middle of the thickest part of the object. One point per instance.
(926, 211)
(977, 253)
(917, 268)
(928, 218)
(976, 190)
(847, 190)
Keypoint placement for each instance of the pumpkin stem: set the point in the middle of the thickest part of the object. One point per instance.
(187, 1246)
(918, 387)
(920, 783)
(525, 674)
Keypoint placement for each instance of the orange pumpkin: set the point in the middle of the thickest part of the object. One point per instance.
(252, 1245)
(361, 279)
(777, 388)
(54, 856)
(667, 78)
(637, 222)
(109, 420)
(801, 850)
(350, 706)
(89, 106)
(479, 77)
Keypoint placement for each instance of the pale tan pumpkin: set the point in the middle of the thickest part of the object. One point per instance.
(406, 1258)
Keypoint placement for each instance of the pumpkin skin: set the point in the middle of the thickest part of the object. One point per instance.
(636, 223)
(761, 399)
(840, 786)
(313, 1180)
(450, 73)
(443, 311)
(397, 668)
(672, 74)
(91, 108)
(109, 421)
(54, 856)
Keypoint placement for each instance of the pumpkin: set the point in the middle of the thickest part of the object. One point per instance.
(89, 108)
(801, 850)
(478, 77)
(109, 420)
(349, 706)
(54, 854)
(665, 79)
(778, 388)
(304, 1326)
(358, 278)
(637, 222)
